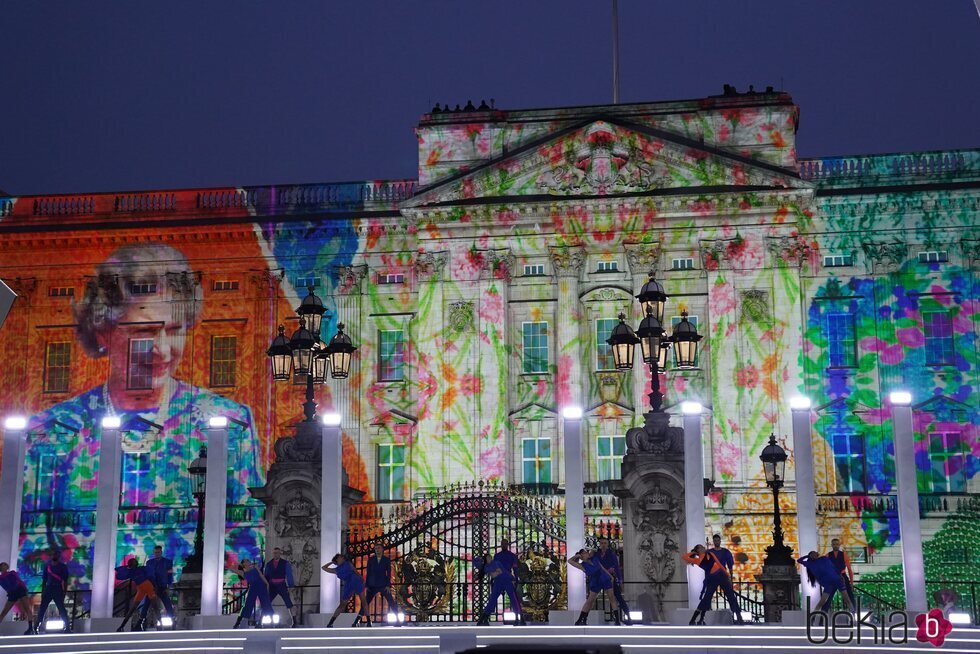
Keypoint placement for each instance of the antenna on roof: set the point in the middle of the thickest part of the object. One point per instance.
(615, 50)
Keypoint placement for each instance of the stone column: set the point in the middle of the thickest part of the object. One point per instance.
(567, 263)
(693, 495)
(426, 457)
(12, 487)
(574, 502)
(348, 298)
(806, 494)
(913, 565)
(106, 518)
(331, 508)
(215, 506)
(644, 261)
(490, 449)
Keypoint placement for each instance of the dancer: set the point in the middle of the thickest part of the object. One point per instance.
(352, 585)
(258, 589)
(501, 583)
(609, 560)
(715, 577)
(379, 578)
(160, 570)
(821, 570)
(279, 574)
(842, 563)
(723, 554)
(54, 583)
(598, 580)
(16, 591)
(138, 577)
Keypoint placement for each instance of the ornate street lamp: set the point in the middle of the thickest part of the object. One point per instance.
(339, 352)
(623, 341)
(198, 473)
(685, 340)
(774, 464)
(653, 298)
(307, 355)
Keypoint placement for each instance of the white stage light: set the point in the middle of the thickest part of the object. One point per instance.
(111, 422)
(15, 423)
(799, 403)
(332, 419)
(390, 618)
(401, 617)
(510, 616)
(901, 398)
(636, 616)
(572, 413)
(959, 618)
(691, 408)
(54, 624)
(166, 622)
(218, 422)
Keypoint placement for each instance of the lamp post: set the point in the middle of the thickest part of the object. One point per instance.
(198, 471)
(305, 354)
(780, 581)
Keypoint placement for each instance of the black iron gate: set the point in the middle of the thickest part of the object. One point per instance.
(432, 542)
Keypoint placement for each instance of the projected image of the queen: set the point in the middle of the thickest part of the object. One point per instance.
(137, 312)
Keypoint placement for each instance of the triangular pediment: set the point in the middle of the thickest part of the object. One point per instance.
(607, 157)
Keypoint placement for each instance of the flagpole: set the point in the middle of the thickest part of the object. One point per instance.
(615, 50)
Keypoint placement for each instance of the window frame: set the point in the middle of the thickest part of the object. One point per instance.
(602, 348)
(389, 494)
(401, 365)
(942, 483)
(63, 369)
(540, 462)
(945, 340)
(851, 360)
(612, 459)
(533, 270)
(130, 364)
(144, 468)
(846, 260)
(847, 460)
(607, 266)
(232, 363)
(142, 288)
(525, 349)
(926, 256)
(676, 260)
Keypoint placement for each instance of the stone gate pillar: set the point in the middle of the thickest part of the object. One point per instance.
(652, 490)
(292, 507)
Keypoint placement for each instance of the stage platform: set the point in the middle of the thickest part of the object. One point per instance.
(435, 640)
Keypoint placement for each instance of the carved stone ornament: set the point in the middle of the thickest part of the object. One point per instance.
(971, 252)
(497, 264)
(349, 278)
(656, 436)
(299, 516)
(657, 518)
(755, 306)
(714, 254)
(643, 258)
(461, 316)
(602, 164)
(885, 257)
(787, 250)
(567, 261)
(430, 264)
(301, 448)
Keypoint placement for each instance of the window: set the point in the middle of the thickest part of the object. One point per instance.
(391, 471)
(933, 256)
(533, 269)
(837, 260)
(137, 482)
(535, 352)
(224, 285)
(140, 373)
(849, 462)
(938, 328)
(603, 351)
(142, 288)
(947, 457)
(44, 489)
(536, 460)
(840, 340)
(61, 291)
(608, 266)
(609, 456)
(57, 366)
(391, 355)
(303, 283)
(224, 359)
(684, 263)
(392, 278)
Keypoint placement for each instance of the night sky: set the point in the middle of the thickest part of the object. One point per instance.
(108, 96)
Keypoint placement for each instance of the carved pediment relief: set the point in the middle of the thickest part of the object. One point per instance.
(607, 156)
